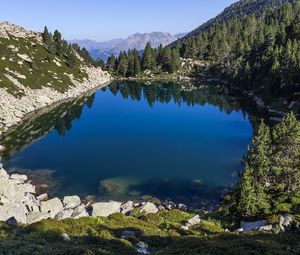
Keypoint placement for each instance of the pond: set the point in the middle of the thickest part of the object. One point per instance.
(130, 140)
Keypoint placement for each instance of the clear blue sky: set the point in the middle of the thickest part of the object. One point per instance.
(106, 19)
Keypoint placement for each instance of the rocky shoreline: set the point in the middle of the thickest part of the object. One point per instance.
(20, 203)
(14, 109)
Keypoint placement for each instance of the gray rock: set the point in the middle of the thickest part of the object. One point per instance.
(79, 212)
(251, 226)
(65, 237)
(70, 202)
(104, 209)
(36, 217)
(43, 197)
(191, 222)
(149, 207)
(64, 214)
(2, 148)
(3, 174)
(266, 228)
(127, 207)
(9, 210)
(128, 234)
(52, 206)
(32, 203)
(286, 221)
(142, 248)
(19, 177)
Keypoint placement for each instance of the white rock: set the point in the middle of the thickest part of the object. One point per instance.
(9, 210)
(127, 207)
(79, 212)
(65, 237)
(2, 148)
(43, 197)
(149, 208)
(70, 202)
(251, 226)
(52, 206)
(64, 214)
(286, 221)
(266, 228)
(104, 209)
(37, 216)
(20, 177)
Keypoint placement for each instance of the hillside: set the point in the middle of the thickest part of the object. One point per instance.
(259, 54)
(34, 74)
(240, 9)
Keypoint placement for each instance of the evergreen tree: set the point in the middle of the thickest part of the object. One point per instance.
(252, 197)
(137, 63)
(111, 63)
(149, 61)
(122, 64)
(286, 155)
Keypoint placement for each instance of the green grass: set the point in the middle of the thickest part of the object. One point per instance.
(161, 231)
(40, 72)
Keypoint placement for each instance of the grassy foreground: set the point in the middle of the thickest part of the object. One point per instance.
(161, 231)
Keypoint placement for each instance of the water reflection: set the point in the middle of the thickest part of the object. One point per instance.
(113, 147)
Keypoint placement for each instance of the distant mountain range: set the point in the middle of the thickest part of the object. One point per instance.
(138, 41)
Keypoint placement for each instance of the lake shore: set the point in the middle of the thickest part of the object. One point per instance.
(13, 109)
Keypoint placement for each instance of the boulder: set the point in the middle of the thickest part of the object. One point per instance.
(9, 210)
(251, 226)
(43, 197)
(19, 177)
(128, 234)
(149, 207)
(2, 148)
(286, 221)
(191, 222)
(65, 237)
(32, 203)
(52, 206)
(3, 174)
(127, 207)
(266, 228)
(104, 209)
(64, 214)
(70, 202)
(37, 216)
(142, 248)
(79, 212)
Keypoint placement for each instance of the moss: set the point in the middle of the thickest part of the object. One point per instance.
(161, 231)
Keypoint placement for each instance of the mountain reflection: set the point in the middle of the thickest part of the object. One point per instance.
(60, 117)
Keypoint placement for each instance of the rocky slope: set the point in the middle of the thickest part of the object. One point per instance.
(32, 78)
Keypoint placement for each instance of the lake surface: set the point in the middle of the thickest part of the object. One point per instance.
(167, 140)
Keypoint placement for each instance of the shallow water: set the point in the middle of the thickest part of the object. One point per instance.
(167, 140)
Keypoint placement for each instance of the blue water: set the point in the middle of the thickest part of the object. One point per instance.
(158, 140)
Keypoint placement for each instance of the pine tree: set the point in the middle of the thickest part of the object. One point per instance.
(122, 64)
(253, 197)
(137, 62)
(57, 41)
(149, 61)
(286, 156)
(111, 63)
(47, 38)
